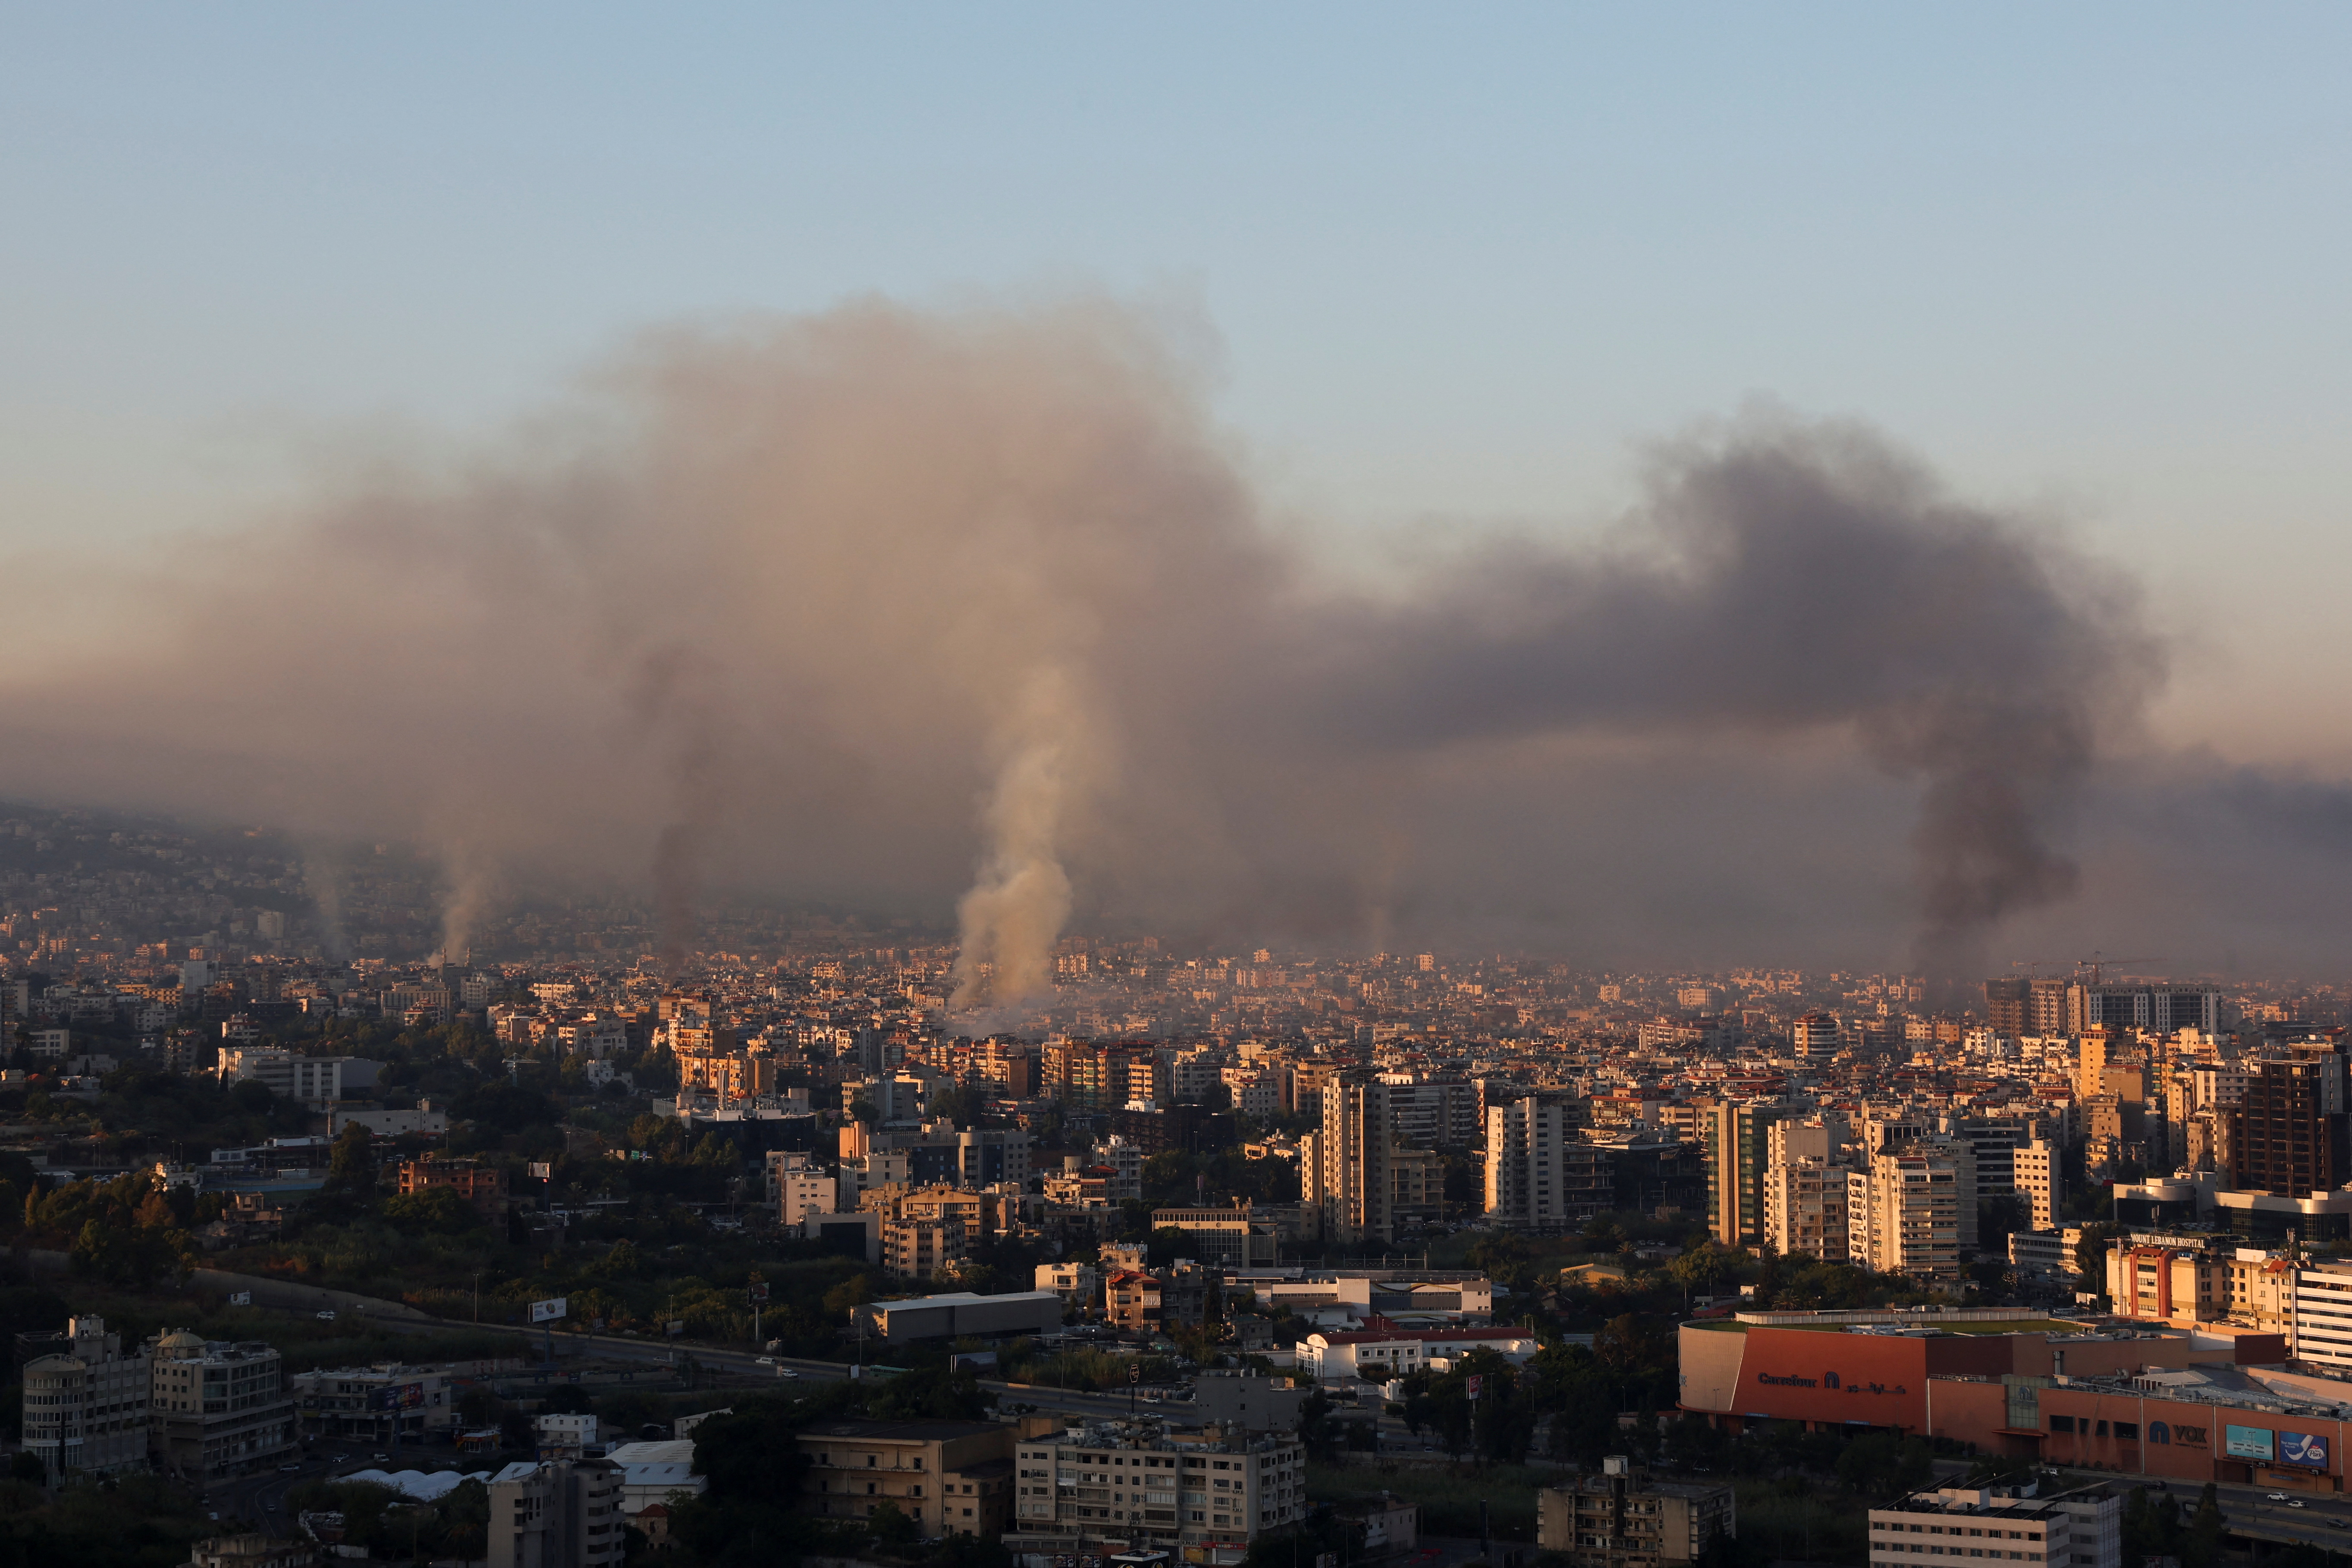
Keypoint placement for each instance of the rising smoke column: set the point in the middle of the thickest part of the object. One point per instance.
(1008, 922)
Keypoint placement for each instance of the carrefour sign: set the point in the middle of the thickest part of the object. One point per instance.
(2246, 1442)
(1830, 1379)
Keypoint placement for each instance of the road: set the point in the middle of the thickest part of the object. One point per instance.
(748, 1363)
(2324, 1520)
(260, 1499)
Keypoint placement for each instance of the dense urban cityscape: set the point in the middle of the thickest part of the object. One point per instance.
(1316, 1210)
(1527, 786)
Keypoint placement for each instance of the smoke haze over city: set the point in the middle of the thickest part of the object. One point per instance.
(1564, 486)
(981, 609)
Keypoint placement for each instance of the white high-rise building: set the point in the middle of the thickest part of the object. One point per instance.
(2042, 1182)
(2322, 1329)
(1345, 1167)
(1804, 1208)
(1526, 1140)
(1913, 1209)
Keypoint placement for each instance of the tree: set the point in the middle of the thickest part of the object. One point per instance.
(435, 1211)
(890, 1525)
(351, 1166)
(1698, 1271)
(1882, 1465)
(2203, 1546)
(2090, 1257)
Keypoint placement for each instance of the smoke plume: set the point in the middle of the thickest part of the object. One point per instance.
(979, 610)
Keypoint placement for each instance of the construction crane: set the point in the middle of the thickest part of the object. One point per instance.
(2032, 964)
(2095, 962)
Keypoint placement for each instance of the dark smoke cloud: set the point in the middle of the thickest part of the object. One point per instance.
(978, 611)
(1785, 578)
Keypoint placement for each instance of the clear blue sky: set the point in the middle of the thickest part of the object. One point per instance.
(1460, 258)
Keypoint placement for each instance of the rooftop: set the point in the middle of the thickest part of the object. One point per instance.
(902, 1431)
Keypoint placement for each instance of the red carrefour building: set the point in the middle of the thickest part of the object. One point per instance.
(1873, 1368)
(2141, 1401)
(2278, 1436)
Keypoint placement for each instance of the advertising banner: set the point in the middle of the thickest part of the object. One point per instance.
(2308, 1450)
(2246, 1442)
(547, 1311)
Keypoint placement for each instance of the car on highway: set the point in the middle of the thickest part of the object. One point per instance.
(2295, 1502)
(765, 1361)
(786, 1372)
(326, 1314)
(380, 1458)
(2276, 1497)
(290, 1465)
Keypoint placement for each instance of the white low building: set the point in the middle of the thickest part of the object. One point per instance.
(654, 1472)
(1382, 1355)
(1155, 1487)
(315, 1081)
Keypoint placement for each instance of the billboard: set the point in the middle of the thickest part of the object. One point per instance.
(2308, 1450)
(547, 1311)
(2246, 1442)
(542, 1169)
(241, 1299)
(400, 1396)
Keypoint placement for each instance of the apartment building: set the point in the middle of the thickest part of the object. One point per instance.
(1123, 1158)
(1255, 1091)
(2263, 1290)
(1735, 1136)
(1621, 1518)
(1139, 1302)
(86, 1406)
(1224, 1239)
(798, 1186)
(1530, 1143)
(1348, 1167)
(2181, 1280)
(948, 1476)
(2322, 1330)
(315, 1082)
(2285, 1134)
(381, 1403)
(484, 1186)
(1911, 1212)
(1804, 1208)
(1079, 1285)
(919, 1248)
(1171, 1488)
(2037, 1174)
(556, 1513)
(2080, 1529)
(217, 1409)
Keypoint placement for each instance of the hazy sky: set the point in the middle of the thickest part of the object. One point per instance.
(1451, 264)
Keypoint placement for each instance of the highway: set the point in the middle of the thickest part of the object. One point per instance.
(2323, 1519)
(747, 1363)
